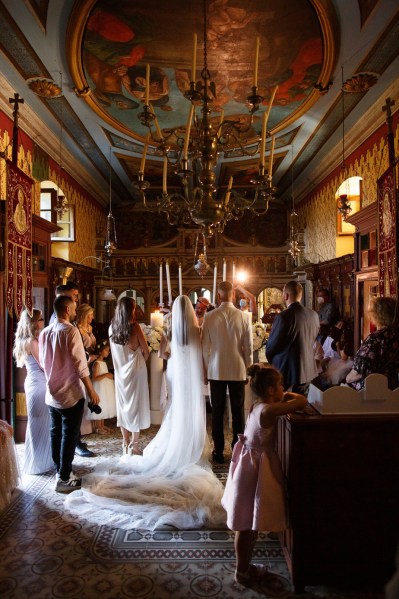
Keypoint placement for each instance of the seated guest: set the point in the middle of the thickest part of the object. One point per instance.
(328, 313)
(379, 353)
(335, 334)
(318, 356)
(338, 368)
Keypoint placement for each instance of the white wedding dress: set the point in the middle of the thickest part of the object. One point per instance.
(172, 483)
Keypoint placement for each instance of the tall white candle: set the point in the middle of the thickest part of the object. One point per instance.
(194, 66)
(256, 62)
(156, 319)
(160, 286)
(147, 84)
(224, 269)
(233, 273)
(215, 274)
(168, 284)
(180, 281)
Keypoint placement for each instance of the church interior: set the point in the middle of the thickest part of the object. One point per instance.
(158, 149)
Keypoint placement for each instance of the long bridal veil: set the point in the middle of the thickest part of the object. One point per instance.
(172, 483)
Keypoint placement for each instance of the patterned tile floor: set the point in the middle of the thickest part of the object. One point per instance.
(46, 553)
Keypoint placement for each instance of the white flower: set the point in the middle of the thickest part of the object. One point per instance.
(259, 335)
(153, 336)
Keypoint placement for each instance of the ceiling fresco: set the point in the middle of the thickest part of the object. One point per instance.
(118, 39)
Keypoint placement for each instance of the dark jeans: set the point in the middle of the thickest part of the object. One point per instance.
(218, 400)
(64, 434)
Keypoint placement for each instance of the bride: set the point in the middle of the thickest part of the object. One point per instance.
(172, 483)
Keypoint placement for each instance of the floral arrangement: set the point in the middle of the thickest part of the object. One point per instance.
(259, 335)
(153, 336)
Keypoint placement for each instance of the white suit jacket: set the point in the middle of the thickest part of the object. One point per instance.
(226, 343)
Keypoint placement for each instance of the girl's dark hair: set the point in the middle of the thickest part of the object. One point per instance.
(100, 346)
(121, 325)
(262, 377)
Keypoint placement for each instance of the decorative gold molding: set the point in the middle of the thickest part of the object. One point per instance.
(44, 87)
(360, 83)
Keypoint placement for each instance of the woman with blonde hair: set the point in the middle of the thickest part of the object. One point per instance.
(84, 317)
(26, 353)
(379, 352)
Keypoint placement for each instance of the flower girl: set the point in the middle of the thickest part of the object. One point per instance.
(103, 383)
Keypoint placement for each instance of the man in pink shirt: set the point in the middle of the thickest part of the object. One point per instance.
(64, 362)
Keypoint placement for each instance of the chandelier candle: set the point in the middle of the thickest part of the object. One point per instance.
(168, 284)
(142, 163)
(271, 102)
(228, 193)
(157, 127)
(263, 138)
(256, 62)
(271, 158)
(194, 67)
(165, 175)
(188, 129)
(147, 84)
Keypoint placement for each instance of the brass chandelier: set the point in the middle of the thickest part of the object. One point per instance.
(194, 156)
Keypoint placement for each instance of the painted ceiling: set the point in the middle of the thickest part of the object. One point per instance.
(96, 52)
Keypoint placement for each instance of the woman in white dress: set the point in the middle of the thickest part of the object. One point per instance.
(172, 483)
(37, 458)
(129, 353)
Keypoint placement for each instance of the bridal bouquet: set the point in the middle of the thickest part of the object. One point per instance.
(153, 336)
(259, 335)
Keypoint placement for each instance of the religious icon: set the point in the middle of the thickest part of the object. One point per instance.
(20, 220)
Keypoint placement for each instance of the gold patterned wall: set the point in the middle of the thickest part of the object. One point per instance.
(317, 215)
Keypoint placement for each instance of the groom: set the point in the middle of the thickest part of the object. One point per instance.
(227, 353)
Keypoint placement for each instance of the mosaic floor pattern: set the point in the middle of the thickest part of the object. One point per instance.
(46, 553)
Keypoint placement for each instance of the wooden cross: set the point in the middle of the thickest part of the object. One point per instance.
(16, 100)
(390, 137)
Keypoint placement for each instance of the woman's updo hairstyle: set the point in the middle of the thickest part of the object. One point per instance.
(263, 376)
